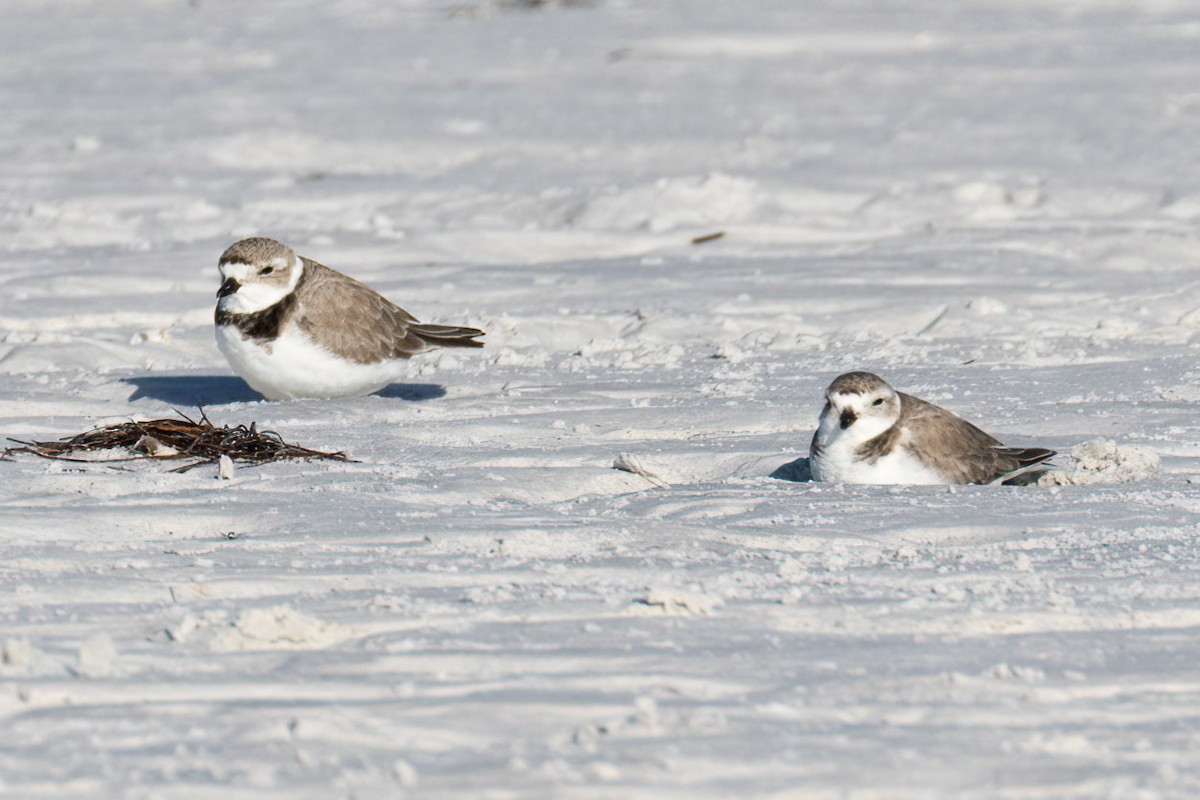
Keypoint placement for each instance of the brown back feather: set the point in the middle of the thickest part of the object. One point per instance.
(357, 323)
(956, 448)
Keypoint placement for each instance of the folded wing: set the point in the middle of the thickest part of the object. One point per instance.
(357, 323)
(964, 453)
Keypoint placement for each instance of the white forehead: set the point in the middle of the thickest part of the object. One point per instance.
(845, 398)
(237, 270)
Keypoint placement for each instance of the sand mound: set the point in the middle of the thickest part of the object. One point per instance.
(1104, 461)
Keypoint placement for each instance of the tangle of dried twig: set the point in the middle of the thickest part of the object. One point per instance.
(201, 442)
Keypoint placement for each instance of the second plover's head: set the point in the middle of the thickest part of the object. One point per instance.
(863, 403)
(256, 274)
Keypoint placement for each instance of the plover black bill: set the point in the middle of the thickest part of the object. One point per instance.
(294, 328)
(870, 433)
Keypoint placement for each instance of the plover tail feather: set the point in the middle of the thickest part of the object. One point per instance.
(447, 335)
(1031, 465)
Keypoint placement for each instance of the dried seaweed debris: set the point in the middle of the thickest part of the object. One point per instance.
(176, 439)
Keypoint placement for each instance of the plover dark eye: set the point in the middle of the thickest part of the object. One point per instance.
(878, 402)
(266, 270)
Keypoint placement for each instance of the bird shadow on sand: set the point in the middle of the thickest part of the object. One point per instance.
(217, 390)
(797, 471)
(413, 392)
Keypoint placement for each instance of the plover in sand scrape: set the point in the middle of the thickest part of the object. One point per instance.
(294, 328)
(870, 433)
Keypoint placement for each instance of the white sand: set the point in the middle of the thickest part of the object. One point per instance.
(992, 204)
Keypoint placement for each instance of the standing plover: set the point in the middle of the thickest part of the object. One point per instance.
(294, 328)
(870, 433)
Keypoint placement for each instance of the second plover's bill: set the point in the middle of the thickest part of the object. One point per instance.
(870, 433)
(294, 328)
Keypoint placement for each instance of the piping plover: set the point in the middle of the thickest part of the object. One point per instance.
(870, 433)
(294, 328)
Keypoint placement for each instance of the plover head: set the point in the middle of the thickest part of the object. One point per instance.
(256, 274)
(863, 404)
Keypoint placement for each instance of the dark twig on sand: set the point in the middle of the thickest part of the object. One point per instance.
(199, 442)
(708, 237)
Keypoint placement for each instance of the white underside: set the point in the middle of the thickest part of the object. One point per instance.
(293, 367)
(838, 462)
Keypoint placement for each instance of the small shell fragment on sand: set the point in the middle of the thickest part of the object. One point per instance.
(628, 462)
(153, 447)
